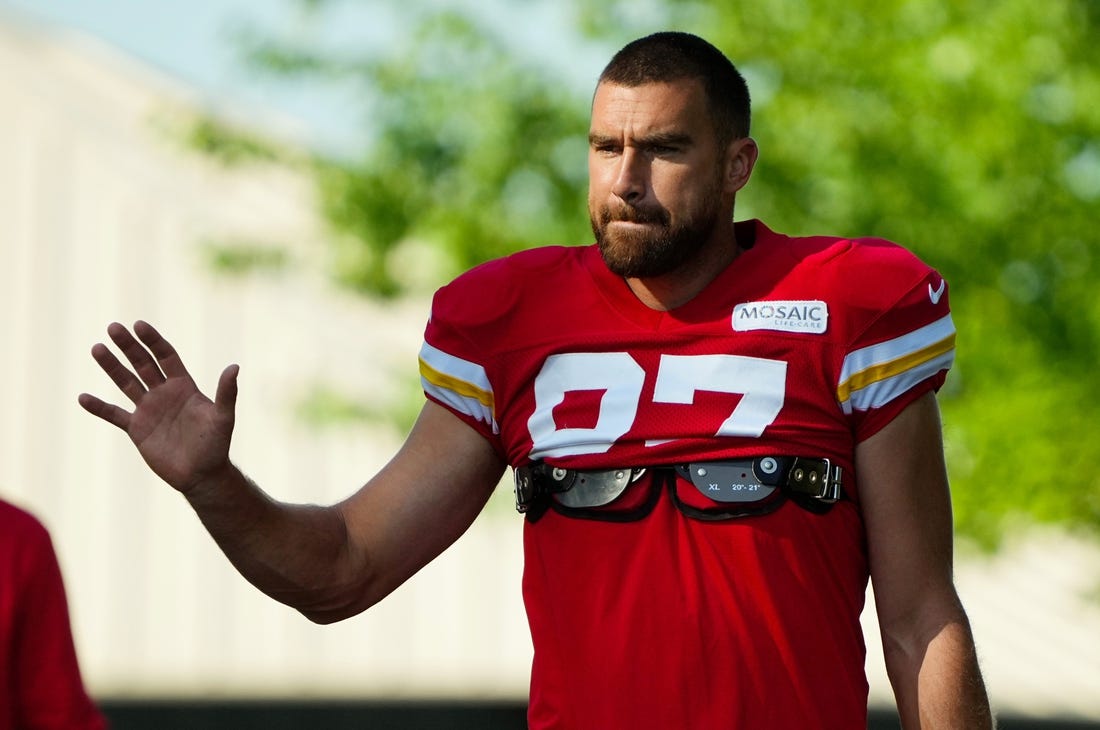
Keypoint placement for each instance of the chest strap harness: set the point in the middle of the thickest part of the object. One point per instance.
(738, 488)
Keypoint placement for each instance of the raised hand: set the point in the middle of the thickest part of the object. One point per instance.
(180, 433)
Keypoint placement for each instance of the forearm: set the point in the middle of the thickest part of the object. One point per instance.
(937, 681)
(327, 562)
(296, 553)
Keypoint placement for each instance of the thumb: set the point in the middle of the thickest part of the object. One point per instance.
(226, 395)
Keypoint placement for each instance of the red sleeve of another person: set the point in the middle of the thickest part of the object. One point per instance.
(40, 683)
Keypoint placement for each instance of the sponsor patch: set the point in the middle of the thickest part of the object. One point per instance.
(810, 317)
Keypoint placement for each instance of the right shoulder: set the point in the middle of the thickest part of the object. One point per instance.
(532, 262)
(495, 288)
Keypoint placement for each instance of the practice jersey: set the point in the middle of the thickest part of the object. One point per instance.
(801, 347)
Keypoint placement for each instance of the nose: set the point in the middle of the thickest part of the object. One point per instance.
(630, 182)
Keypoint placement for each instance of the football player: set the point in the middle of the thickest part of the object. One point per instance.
(718, 433)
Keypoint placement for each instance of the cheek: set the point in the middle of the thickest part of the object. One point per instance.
(689, 189)
(599, 179)
(594, 200)
(674, 190)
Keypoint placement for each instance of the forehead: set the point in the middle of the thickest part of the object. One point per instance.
(660, 107)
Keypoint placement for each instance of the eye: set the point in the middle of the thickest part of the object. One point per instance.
(665, 150)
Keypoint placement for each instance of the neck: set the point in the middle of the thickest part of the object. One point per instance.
(679, 287)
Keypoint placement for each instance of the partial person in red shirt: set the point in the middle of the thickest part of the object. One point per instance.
(40, 683)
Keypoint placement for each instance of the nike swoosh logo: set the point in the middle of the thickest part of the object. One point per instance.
(935, 294)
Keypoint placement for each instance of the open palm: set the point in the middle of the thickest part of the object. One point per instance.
(180, 433)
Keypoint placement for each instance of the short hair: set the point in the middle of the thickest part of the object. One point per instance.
(673, 56)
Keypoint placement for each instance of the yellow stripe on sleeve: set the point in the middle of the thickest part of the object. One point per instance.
(455, 385)
(891, 368)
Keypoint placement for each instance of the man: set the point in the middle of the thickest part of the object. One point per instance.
(40, 683)
(718, 434)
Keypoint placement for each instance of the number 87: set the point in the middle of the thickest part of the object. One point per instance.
(761, 382)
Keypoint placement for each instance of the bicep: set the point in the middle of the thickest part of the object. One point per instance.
(422, 501)
(903, 490)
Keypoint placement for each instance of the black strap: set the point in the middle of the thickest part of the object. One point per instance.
(742, 487)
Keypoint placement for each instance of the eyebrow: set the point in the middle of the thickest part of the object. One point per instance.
(656, 139)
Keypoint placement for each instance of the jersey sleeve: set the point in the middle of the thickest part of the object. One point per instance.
(904, 351)
(452, 368)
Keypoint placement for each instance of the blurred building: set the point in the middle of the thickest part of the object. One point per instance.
(105, 214)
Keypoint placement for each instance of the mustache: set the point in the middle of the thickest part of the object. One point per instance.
(630, 214)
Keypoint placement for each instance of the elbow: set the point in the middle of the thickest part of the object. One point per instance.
(334, 612)
(339, 605)
(350, 586)
(907, 640)
(325, 617)
(352, 583)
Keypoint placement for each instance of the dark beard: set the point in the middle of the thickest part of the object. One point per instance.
(662, 250)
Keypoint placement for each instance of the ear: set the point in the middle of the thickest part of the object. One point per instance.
(741, 157)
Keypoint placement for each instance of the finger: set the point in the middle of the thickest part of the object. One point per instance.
(109, 413)
(119, 374)
(226, 395)
(166, 355)
(144, 364)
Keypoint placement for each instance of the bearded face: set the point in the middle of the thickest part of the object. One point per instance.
(657, 242)
(660, 181)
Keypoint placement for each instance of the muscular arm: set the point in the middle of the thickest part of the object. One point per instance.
(333, 562)
(329, 562)
(926, 636)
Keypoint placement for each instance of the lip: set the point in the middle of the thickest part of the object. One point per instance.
(633, 223)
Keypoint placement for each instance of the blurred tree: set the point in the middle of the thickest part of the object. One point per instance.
(968, 131)
(473, 152)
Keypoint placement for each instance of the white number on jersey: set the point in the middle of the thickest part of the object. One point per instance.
(762, 383)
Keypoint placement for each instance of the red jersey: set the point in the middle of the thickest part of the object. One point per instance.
(40, 684)
(801, 347)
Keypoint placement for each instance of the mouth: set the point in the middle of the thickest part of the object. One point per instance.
(625, 222)
(638, 218)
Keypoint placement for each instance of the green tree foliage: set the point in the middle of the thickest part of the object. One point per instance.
(967, 130)
(474, 153)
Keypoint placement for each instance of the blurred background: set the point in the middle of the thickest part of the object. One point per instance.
(283, 185)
